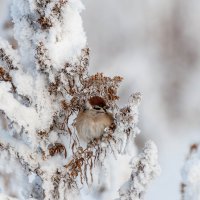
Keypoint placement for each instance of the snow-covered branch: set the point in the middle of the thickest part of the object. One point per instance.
(191, 175)
(44, 83)
(145, 168)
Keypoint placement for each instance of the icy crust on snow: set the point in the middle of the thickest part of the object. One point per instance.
(145, 168)
(64, 40)
(191, 176)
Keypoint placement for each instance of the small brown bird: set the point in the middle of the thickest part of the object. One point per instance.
(93, 119)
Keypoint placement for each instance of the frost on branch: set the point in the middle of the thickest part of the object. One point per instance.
(144, 168)
(191, 175)
(44, 83)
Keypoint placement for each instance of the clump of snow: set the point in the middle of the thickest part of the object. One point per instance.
(64, 40)
(67, 38)
(127, 120)
(28, 117)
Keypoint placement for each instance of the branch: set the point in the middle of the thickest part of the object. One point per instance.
(19, 150)
(191, 175)
(8, 55)
(144, 168)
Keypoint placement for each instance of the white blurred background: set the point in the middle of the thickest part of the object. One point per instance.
(154, 45)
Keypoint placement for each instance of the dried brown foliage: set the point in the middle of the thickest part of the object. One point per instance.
(7, 60)
(57, 148)
(5, 76)
(58, 7)
(126, 116)
(104, 86)
(46, 20)
(84, 160)
(193, 148)
(182, 190)
(41, 57)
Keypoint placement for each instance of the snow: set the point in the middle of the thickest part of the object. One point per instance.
(145, 168)
(13, 55)
(191, 176)
(26, 117)
(66, 36)
(68, 39)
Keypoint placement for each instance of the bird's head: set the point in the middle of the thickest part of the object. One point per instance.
(96, 103)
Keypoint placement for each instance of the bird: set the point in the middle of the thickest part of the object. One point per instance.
(92, 120)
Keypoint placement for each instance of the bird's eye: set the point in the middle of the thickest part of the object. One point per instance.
(106, 107)
(97, 108)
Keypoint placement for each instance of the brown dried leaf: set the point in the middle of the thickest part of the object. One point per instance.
(58, 149)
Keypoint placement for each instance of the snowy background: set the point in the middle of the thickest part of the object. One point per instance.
(154, 45)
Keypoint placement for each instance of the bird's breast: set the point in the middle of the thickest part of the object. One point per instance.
(91, 126)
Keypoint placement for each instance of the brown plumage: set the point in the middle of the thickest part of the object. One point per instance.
(96, 100)
(91, 122)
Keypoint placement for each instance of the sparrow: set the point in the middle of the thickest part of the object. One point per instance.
(93, 119)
